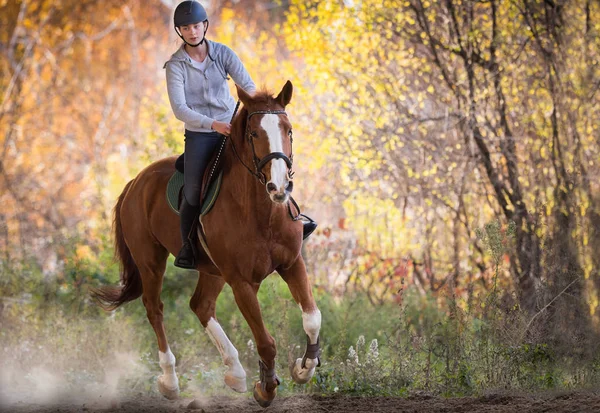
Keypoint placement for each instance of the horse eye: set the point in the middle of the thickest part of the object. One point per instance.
(253, 134)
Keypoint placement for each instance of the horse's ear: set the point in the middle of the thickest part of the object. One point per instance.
(242, 95)
(284, 97)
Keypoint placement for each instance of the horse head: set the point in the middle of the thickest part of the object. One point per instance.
(268, 135)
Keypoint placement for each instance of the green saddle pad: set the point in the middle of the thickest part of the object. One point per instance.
(176, 183)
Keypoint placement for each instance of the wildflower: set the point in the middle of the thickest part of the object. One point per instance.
(352, 356)
(373, 351)
(250, 345)
(360, 343)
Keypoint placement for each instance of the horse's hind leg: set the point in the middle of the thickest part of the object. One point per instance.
(152, 263)
(303, 368)
(203, 304)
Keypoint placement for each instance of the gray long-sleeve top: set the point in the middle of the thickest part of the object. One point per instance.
(199, 97)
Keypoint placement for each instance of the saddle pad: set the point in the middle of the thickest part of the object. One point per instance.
(174, 189)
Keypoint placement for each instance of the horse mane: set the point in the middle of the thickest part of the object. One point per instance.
(264, 97)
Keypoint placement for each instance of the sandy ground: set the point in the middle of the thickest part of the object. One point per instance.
(556, 403)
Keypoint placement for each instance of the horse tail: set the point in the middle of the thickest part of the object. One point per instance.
(110, 297)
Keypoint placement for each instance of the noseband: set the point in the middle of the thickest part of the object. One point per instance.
(259, 164)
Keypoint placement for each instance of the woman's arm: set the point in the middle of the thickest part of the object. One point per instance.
(237, 71)
(175, 88)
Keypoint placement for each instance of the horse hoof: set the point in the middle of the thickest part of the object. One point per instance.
(300, 375)
(237, 384)
(167, 392)
(264, 402)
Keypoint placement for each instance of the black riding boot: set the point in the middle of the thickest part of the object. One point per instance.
(188, 253)
(309, 227)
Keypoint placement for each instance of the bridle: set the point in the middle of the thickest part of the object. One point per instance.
(259, 163)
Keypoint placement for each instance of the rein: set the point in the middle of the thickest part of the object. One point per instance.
(223, 142)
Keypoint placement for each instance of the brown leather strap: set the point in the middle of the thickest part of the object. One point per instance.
(313, 351)
(267, 375)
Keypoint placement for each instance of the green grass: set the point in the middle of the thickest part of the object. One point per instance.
(434, 344)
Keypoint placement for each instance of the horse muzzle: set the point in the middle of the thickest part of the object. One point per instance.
(280, 195)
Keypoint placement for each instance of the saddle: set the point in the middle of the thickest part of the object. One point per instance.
(211, 184)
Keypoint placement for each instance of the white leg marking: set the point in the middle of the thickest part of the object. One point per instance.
(270, 123)
(235, 377)
(167, 364)
(312, 324)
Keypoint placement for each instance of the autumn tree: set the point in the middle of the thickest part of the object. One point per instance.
(462, 111)
(73, 74)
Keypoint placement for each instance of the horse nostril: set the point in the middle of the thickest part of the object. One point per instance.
(271, 187)
(290, 186)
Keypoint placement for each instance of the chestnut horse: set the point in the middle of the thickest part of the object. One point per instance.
(249, 234)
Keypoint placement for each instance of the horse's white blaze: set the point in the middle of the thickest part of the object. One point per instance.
(236, 375)
(167, 364)
(270, 123)
(312, 324)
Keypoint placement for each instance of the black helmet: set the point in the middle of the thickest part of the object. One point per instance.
(189, 12)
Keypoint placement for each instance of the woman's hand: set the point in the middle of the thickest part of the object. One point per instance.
(221, 127)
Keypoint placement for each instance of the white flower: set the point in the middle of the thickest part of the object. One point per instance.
(352, 356)
(360, 342)
(336, 389)
(373, 351)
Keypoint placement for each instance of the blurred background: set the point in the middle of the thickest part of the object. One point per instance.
(448, 149)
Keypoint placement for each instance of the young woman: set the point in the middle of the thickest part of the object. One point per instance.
(199, 94)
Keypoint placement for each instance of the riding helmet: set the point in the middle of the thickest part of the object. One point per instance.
(189, 12)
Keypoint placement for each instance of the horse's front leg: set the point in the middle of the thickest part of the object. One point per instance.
(265, 390)
(303, 368)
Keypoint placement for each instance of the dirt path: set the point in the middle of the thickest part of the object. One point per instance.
(558, 403)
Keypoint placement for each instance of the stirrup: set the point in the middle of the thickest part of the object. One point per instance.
(186, 257)
(308, 228)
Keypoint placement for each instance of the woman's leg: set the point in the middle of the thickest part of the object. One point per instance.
(199, 148)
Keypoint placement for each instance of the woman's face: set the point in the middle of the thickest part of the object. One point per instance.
(193, 33)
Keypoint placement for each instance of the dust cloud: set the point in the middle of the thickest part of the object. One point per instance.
(58, 381)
